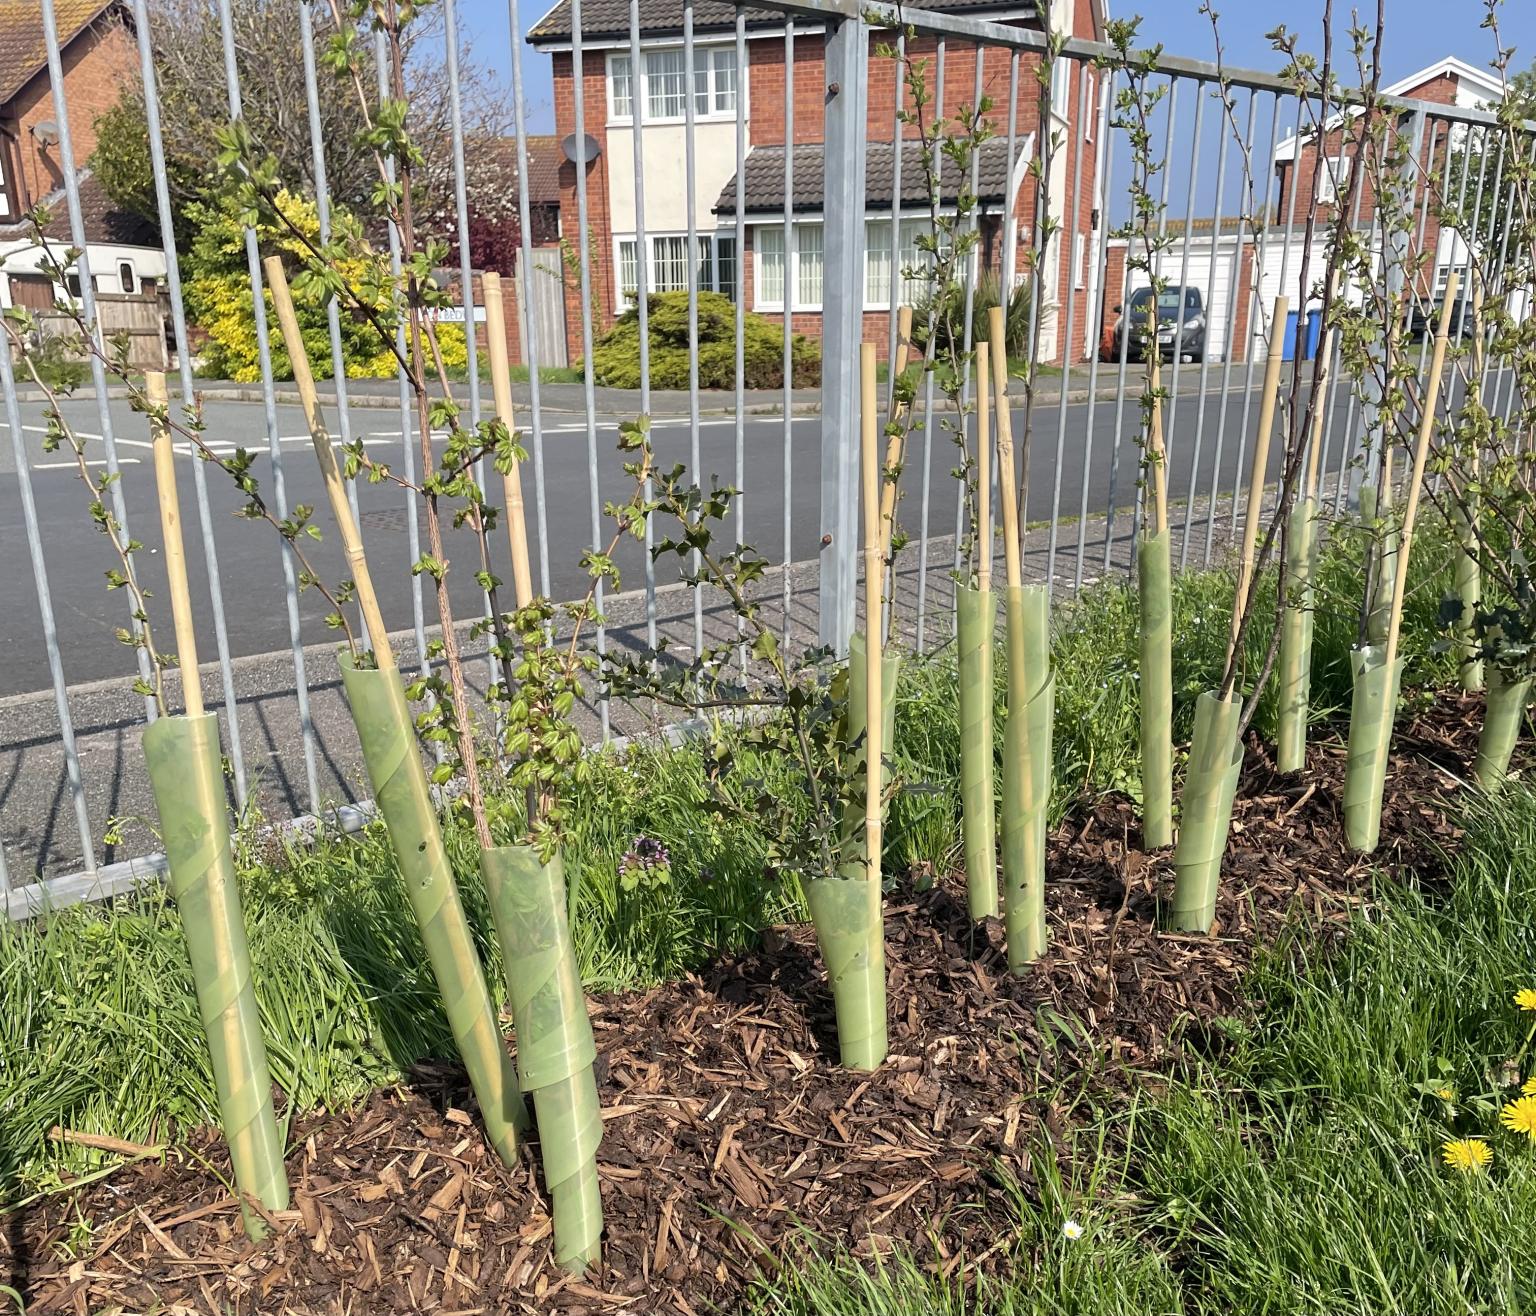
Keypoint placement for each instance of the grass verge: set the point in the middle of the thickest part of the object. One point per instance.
(1301, 1171)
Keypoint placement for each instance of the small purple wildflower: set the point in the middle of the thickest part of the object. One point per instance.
(646, 863)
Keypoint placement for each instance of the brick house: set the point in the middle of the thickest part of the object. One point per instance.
(611, 89)
(99, 56)
(1301, 165)
(1229, 273)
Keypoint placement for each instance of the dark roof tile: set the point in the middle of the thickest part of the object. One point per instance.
(544, 160)
(22, 51)
(610, 18)
(765, 177)
(104, 222)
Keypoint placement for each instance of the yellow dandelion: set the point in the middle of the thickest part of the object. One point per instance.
(1520, 1116)
(1467, 1155)
(1525, 998)
(1529, 1087)
(1446, 1094)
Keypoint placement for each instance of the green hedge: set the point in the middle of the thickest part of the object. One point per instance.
(616, 355)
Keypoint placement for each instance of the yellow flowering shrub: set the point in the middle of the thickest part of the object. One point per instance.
(218, 298)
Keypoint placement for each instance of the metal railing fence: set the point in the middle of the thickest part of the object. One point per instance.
(70, 768)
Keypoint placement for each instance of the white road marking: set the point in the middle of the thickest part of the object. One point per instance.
(70, 466)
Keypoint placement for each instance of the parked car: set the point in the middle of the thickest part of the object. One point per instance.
(1422, 323)
(1180, 325)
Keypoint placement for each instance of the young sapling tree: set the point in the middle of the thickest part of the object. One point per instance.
(183, 759)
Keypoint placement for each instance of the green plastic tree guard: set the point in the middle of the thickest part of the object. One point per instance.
(1503, 715)
(848, 914)
(182, 755)
(1295, 659)
(555, 1049)
(1026, 772)
(976, 624)
(848, 909)
(1155, 600)
(1469, 590)
(1370, 743)
(387, 736)
(1210, 786)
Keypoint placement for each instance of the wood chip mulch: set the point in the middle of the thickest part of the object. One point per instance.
(728, 1129)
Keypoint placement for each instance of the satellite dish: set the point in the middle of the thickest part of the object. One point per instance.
(584, 152)
(46, 132)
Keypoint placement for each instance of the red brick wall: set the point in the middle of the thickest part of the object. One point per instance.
(1301, 173)
(767, 93)
(97, 66)
(599, 231)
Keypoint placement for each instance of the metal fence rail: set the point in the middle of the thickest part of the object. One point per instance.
(71, 761)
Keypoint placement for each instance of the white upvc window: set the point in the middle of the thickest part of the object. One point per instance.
(808, 264)
(668, 266)
(1079, 260)
(911, 265)
(877, 262)
(5, 185)
(663, 85)
(1332, 179)
(805, 267)
(1061, 88)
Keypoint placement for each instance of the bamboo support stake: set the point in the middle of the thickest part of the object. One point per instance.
(1256, 481)
(512, 481)
(175, 549)
(983, 471)
(1416, 477)
(330, 473)
(1466, 515)
(874, 591)
(896, 440)
(1008, 488)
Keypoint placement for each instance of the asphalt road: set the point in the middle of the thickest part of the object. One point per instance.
(87, 615)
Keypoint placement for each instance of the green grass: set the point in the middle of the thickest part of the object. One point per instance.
(347, 999)
(1301, 1172)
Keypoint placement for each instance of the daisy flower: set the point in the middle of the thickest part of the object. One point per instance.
(1519, 1116)
(1072, 1230)
(1466, 1155)
(1525, 998)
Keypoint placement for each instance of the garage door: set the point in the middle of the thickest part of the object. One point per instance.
(1281, 273)
(1211, 268)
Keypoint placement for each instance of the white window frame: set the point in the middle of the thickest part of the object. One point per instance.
(5, 189)
(1333, 175)
(1079, 261)
(707, 82)
(910, 293)
(791, 264)
(1061, 89)
(1093, 102)
(710, 237)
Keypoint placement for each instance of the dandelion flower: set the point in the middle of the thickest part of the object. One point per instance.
(1525, 998)
(1519, 1116)
(1072, 1229)
(1467, 1155)
(1529, 1087)
(1446, 1094)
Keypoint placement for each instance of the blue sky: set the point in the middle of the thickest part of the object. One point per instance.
(1419, 32)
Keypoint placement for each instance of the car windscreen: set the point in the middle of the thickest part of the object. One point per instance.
(1168, 302)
